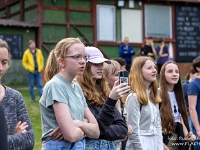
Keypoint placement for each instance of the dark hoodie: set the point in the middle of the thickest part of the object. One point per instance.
(111, 124)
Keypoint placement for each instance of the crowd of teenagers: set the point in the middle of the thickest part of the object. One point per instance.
(84, 106)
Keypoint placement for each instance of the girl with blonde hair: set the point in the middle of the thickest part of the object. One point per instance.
(111, 72)
(142, 106)
(101, 101)
(63, 106)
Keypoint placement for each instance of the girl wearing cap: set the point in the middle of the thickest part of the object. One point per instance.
(63, 103)
(142, 106)
(102, 101)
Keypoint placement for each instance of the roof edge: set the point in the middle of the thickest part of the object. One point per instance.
(9, 22)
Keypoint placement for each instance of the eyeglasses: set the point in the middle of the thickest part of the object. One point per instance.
(78, 57)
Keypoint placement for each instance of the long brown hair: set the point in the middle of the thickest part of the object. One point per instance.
(168, 123)
(52, 66)
(95, 91)
(137, 84)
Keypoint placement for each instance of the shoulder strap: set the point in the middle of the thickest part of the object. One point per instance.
(140, 106)
(160, 105)
(140, 103)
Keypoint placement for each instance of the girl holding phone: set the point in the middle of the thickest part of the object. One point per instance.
(101, 101)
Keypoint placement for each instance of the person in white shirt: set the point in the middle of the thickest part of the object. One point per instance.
(173, 112)
(142, 106)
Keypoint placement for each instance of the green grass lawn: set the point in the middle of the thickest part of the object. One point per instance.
(34, 114)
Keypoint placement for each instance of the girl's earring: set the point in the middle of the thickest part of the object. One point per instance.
(62, 69)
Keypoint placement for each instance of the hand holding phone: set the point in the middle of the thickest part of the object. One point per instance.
(123, 76)
(119, 90)
(120, 87)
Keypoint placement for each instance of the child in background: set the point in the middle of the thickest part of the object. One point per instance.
(148, 49)
(122, 63)
(162, 52)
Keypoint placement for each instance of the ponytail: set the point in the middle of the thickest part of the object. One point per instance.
(52, 67)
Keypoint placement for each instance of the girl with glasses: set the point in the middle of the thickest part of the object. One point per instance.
(66, 118)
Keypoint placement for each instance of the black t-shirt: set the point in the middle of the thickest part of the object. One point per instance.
(147, 49)
(142, 51)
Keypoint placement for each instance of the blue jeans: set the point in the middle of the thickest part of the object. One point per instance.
(92, 144)
(197, 141)
(63, 145)
(33, 78)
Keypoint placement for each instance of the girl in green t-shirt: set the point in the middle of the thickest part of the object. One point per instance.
(65, 115)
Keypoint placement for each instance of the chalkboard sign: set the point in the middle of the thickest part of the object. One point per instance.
(187, 32)
(15, 44)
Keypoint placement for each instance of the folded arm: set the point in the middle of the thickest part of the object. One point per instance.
(90, 128)
(23, 140)
(70, 130)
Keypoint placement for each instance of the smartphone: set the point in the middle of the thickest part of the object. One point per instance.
(123, 76)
